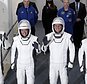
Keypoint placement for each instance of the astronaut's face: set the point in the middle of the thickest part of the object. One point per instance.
(24, 32)
(58, 28)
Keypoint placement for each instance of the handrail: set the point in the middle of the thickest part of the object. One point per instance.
(11, 45)
(6, 54)
(11, 28)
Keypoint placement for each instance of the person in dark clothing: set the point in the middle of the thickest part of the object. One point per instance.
(80, 11)
(49, 12)
(30, 4)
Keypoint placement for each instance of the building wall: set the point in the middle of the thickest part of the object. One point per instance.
(3, 15)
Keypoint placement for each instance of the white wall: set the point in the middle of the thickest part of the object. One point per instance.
(3, 15)
(7, 14)
(14, 7)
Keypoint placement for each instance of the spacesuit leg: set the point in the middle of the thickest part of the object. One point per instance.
(63, 74)
(30, 75)
(20, 76)
(1, 76)
(53, 75)
(86, 78)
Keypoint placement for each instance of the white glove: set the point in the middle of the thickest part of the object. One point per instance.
(44, 48)
(6, 44)
(13, 66)
(70, 65)
(81, 69)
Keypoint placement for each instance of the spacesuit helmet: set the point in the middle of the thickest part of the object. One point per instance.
(24, 29)
(61, 26)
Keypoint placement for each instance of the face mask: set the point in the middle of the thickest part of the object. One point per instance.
(77, 0)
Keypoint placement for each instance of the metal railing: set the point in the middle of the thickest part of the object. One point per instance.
(7, 36)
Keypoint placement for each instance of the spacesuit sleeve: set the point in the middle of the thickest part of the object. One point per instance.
(13, 50)
(45, 44)
(44, 48)
(80, 57)
(47, 40)
(37, 47)
(71, 53)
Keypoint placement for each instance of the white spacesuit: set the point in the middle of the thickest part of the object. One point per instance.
(58, 43)
(82, 51)
(24, 46)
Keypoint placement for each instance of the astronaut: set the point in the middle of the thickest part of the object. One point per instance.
(59, 42)
(25, 43)
(81, 53)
